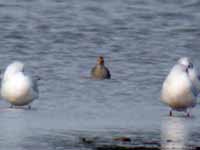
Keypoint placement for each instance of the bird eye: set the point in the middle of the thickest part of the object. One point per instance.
(190, 65)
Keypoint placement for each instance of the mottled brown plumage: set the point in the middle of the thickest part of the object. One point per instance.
(100, 71)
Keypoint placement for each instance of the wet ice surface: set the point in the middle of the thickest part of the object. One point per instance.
(60, 40)
(34, 129)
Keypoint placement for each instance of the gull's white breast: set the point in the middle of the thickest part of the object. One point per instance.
(177, 90)
(17, 90)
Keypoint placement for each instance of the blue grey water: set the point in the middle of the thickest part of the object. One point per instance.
(59, 40)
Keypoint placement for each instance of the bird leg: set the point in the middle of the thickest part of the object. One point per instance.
(188, 113)
(11, 106)
(170, 113)
(29, 107)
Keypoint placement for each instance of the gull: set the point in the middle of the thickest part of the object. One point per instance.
(181, 86)
(18, 88)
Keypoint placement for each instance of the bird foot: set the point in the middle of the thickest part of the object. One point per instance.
(188, 114)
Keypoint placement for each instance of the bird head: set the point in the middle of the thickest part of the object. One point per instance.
(100, 60)
(186, 63)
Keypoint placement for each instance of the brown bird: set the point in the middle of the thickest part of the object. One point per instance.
(100, 71)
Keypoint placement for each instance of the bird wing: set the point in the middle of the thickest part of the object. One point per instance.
(34, 86)
(195, 78)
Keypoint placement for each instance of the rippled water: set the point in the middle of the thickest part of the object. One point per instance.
(60, 40)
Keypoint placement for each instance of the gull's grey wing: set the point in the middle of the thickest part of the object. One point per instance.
(35, 90)
(195, 78)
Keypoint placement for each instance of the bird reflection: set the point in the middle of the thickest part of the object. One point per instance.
(174, 133)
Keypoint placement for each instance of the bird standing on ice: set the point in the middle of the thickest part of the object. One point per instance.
(18, 88)
(181, 87)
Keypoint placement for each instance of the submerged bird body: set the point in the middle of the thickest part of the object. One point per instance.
(180, 89)
(100, 71)
(16, 87)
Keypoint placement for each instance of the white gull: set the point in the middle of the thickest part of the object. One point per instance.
(181, 86)
(16, 87)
